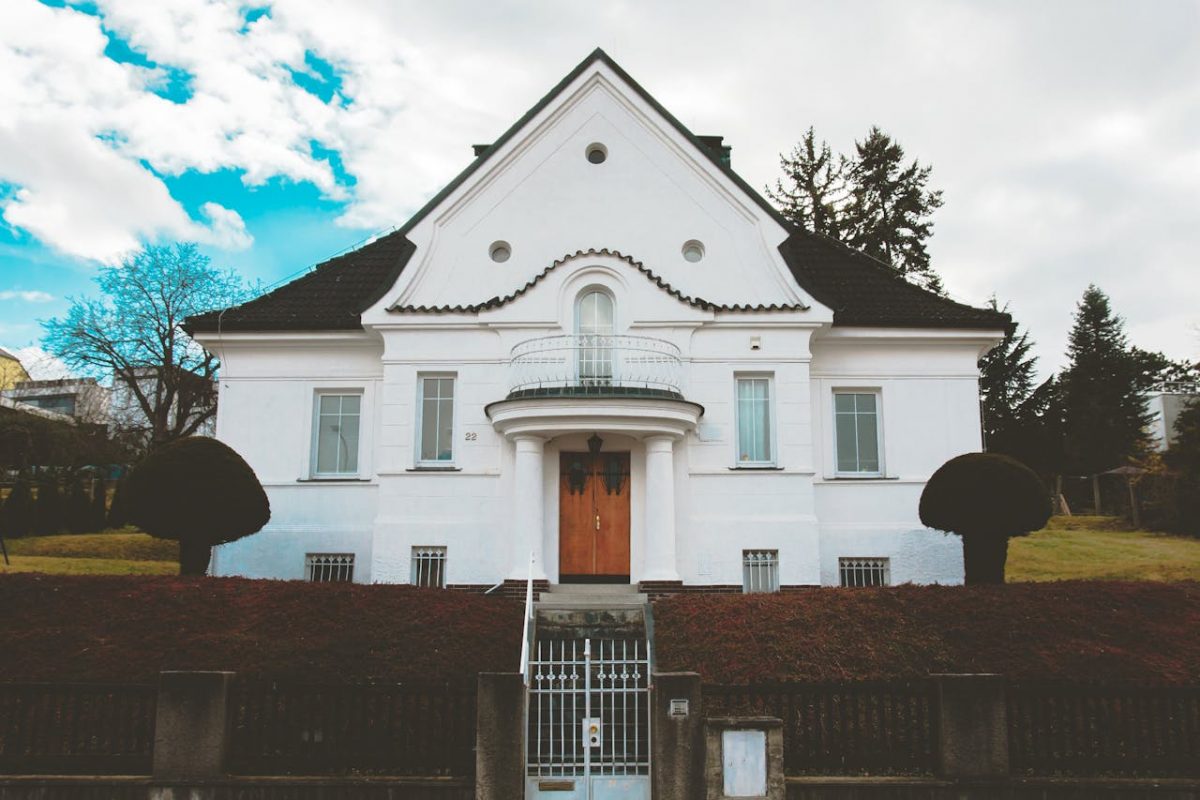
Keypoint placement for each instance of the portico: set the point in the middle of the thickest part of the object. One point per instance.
(543, 427)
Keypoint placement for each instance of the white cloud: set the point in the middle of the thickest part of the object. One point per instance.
(1062, 133)
(28, 296)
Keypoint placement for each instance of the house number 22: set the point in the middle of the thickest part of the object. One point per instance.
(472, 436)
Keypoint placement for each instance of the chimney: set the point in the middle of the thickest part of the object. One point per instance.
(716, 145)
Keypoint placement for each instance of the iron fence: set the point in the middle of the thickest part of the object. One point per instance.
(843, 729)
(74, 728)
(397, 729)
(1072, 729)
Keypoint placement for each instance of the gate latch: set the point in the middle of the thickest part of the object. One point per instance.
(591, 732)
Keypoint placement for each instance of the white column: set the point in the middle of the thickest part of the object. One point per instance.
(660, 509)
(529, 518)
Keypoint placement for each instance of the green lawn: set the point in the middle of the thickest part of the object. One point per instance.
(1095, 548)
(118, 552)
(1099, 548)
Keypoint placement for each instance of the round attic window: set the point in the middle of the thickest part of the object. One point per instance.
(597, 153)
(693, 251)
(500, 252)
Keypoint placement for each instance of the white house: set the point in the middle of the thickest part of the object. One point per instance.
(600, 347)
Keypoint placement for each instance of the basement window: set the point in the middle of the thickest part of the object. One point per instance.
(329, 567)
(760, 571)
(429, 567)
(855, 572)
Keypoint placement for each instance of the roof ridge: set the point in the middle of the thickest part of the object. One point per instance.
(496, 302)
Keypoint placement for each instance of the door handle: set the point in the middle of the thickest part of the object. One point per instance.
(597, 522)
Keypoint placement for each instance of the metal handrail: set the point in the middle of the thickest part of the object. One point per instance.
(595, 361)
(528, 623)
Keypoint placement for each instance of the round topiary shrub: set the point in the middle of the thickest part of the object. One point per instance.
(985, 498)
(199, 492)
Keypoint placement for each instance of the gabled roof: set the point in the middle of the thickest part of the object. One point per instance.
(859, 289)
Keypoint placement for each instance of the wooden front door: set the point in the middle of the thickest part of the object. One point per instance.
(593, 517)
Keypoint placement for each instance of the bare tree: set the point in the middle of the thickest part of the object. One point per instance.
(132, 334)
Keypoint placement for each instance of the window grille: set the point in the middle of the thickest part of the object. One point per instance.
(760, 571)
(865, 571)
(429, 567)
(329, 567)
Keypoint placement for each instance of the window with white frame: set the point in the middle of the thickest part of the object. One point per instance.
(429, 567)
(856, 433)
(760, 571)
(337, 417)
(755, 434)
(865, 571)
(329, 567)
(435, 424)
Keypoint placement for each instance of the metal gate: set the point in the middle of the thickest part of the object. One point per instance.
(589, 720)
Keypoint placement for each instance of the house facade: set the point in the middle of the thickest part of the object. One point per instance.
(599, 356)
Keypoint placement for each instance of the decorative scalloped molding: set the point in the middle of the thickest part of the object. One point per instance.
(496, 302)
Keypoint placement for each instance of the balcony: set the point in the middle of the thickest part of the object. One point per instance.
(593, 365)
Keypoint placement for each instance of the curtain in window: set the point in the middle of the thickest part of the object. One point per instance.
(337, 433)
(754, 420)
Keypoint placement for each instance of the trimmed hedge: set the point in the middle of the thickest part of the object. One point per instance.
(1072, 630)
(82, 628)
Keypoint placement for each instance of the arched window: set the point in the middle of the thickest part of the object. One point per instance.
(594, 327)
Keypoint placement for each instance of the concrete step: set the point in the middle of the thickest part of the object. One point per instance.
(572, 600)
(592, 588)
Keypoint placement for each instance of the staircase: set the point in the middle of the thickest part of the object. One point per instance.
(591, 611)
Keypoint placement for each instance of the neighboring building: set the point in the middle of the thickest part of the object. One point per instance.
(600, 346)
(83, 399)
(1165, 406)
(195, 397)
(11, 370)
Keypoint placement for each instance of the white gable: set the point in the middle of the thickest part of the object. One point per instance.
(541, 195)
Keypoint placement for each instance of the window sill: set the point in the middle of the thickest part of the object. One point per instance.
(861, 478)
(434, 469)
(347, 479)
(757, 468)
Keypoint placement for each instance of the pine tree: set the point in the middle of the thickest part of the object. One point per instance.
(1017, 412)
(117, 512)
(98, 519)
(16, 516)
(889, 208)
(78, 507)
(813, 187)
(48, 511)
(1104, 413)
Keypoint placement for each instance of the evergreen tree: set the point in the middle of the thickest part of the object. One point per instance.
(117, 511)
(1006, 380)
(1104, 412)
(813, 187)
(889, 208)
(48, 511)
(16, 516)
(98, 519)
(78, 507)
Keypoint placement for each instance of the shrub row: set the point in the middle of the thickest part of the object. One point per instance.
(52, 505)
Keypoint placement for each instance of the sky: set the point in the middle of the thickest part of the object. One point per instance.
(1065, 135)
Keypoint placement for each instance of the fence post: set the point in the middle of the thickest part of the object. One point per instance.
(192, 725)
(972, 718)
(677, 757)
(500, 737)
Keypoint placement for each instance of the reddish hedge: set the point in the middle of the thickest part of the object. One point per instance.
(1075, 630)
(130, 628)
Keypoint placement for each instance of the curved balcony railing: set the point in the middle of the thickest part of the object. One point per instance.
(595, 364)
